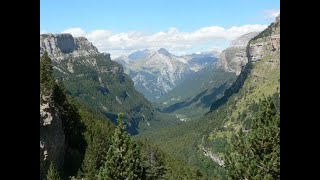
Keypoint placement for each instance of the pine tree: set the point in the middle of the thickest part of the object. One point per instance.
(47, 82)
(123, 157)
(52, 173)
(152, 162)
(256, 155)
(95, 154)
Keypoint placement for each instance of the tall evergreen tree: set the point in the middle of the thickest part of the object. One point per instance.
(256, 155)
(52, 173)
(98, 143)
(47, 82)
(123, 157)
(153, 162)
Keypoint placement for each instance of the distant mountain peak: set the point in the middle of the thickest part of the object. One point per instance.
(139, 54)
(146, 50)
(163, 51)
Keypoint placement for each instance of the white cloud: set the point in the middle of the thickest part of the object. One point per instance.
(43, 31)
(175, 41)
(77, 32)
(271, 13)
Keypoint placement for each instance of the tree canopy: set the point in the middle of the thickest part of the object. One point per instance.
(256, 154)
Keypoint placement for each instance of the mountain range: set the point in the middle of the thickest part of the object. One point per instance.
(155, 73)
(164, 78)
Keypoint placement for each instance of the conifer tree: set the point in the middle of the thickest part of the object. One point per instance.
(52, 173)
(152, 162)
(95, 154)
(256, 155)
(123, 157)
(47, 82)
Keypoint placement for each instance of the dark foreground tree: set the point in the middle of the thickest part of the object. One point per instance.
(256, 154)
(52, 173)
(123, 157)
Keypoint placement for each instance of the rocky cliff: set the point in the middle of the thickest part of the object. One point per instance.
(264, 46)
(266, 43)
(63, 46)
(234, 58)
(52, 137)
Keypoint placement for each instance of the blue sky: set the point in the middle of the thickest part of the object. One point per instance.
(152, 16)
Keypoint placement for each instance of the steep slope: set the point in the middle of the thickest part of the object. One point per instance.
(259, 78)
(96, 80)
(203, 88)
(61, 138)
(205, 141)
(155, 73)
(52, 137)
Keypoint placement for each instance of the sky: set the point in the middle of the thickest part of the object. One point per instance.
(121, 27)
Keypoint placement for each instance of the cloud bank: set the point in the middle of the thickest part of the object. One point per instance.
(203, 39)
(272, 13)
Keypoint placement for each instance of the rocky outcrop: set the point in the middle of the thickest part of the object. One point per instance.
(234, 58)
(267, 43)
(63, 49)
(63, 46)
(209, 153)
(213, 156)
(52, 138)
(260, 49)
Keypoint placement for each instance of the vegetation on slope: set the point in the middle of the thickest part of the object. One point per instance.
(90, 147)
(101, 84)
(203, 89)
(256, 154)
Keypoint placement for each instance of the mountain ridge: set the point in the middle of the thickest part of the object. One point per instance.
(94, 79)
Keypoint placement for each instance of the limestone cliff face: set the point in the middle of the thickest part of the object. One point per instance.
(63, 46)
(234, 58)
(267, 43)
(262, 47)
(52, 138)
(65, 51)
